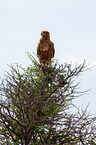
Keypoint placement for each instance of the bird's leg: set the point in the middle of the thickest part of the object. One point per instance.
(43, 67)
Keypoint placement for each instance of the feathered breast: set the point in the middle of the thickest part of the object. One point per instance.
(45, 48)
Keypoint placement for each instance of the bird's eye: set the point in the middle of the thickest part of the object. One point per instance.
(44, 32)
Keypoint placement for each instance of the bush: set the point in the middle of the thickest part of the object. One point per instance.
(35, 107)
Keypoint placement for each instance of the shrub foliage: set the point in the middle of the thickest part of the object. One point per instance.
(35, 106)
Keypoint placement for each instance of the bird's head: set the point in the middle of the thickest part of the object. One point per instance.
(45, 34)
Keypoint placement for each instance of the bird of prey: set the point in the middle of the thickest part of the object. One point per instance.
(45, 49)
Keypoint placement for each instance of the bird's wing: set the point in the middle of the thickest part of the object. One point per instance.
(53, 49)
(38, 49)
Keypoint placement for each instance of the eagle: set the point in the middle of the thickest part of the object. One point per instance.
(45, 49)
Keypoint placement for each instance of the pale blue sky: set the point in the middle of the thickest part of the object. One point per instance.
(72, 25)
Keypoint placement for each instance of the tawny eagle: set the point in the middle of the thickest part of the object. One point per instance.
(45, 49)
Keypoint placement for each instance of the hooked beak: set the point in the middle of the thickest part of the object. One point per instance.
(41, 33)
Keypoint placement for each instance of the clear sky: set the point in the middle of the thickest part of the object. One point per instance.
(72, 25)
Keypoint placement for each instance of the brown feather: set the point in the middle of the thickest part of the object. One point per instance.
(45, 48)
